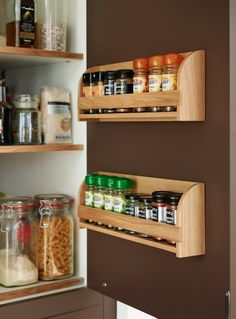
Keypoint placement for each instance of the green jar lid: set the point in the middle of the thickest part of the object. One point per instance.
(89, 179)
(110, 181)
(129, 183)
(100, 180)
(121, 183)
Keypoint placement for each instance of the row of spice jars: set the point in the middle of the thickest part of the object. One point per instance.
(36, 239)
(158, 73)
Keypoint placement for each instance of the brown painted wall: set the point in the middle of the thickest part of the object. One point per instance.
(149, 279)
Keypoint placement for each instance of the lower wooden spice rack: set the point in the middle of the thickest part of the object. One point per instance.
(188, 233)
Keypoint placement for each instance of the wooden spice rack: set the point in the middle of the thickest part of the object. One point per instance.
(189, 232)
(189, 99)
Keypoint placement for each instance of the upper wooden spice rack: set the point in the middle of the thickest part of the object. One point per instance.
(189, 232)
(12, 57)
(189, 99)
(39, 148)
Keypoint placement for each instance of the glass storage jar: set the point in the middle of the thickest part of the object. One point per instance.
(26, 120)
(124, 82)
(56, 236)
(20, 23)
(52, 24)
(18, 242)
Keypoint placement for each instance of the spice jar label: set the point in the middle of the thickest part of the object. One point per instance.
(98, 90)
(140, 84)
(87, 91)
(171, 217)
(89, 198)
(169, 82)
(145, 213)
(155, 81)
(108, 202)
(119, 204)
(98, 200)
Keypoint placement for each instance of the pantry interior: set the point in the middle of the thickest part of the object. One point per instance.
(186, 151)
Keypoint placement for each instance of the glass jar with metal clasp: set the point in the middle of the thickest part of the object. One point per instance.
(18, 242)
(56, 236)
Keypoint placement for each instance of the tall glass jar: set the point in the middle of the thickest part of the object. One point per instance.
(56, 236)
(140, 80)
(18, 242)
(26, 120)
(52, 24)
(20, 23)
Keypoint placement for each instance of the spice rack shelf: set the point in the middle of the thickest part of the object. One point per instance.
(189, 99)
(7, 294)
(39, 148)
(188, 233)
(13, 58)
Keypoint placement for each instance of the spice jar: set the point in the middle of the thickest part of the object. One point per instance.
(89, 190)
(171, 212)
(98, 85)
(5, 112)
(170, 71)
(26, 120)
(109, 82)
(56, 236)
(140, 80)
(159, 208)
(155, 73)
(87, 89)
(145, 210)
(52, 24)
(109, 193)
(18, 242)
(20, 23)
(100, 187)
(124, 82)
(132, 205)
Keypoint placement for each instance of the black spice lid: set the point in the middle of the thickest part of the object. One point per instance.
(110, 75)
(97, 76)
(87, 77)
(173, 198)
(125, 74)
(160, 195)
(145, 199)
(132, 196)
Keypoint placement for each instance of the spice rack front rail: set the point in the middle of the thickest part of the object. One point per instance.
(188, 233)
(189, 99)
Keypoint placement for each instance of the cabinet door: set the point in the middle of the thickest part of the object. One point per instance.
(146, 278)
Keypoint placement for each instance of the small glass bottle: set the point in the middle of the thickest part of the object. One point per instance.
(140, 80)
(159, 208)
(155, 73)
(100, 188)
(98, 83)
(89, 191)
(124, 82)
(20, 23)
(87, 89)
(132, 207)
(145, 210)
(170, 71)
(121, 189)
(171, 211)
(5, 113)
(109, 82)
(109, 193)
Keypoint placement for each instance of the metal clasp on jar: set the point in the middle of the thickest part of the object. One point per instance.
(7, 216)
(45, 210)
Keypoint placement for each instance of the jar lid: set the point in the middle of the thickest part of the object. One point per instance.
(132, 196)
(173, 198)
(89, 179)
(53, 200)
(110, 181)
(172, 59)
(125, 74)
(145, 199)
(56, 103)
(156, 60)
(160, 194)
(87, 77)
(122, 183)
(110, 75)
(16, 203)
(97, 76)
(26, 101)
(100, 180)
(141, 63)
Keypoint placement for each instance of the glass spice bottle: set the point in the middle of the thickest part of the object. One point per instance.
(145, 210)
(20, 23)
(155, 73)
(171, 211)
(124, 82)
(159, 208)
(98, 83)
(5, 112)
(140, 80)
(87, 89)
(170, 71)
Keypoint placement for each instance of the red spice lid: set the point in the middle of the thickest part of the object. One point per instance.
(141, 63)
(172, 59)
(156, 60)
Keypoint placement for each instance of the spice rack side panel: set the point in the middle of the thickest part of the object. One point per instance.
(189, 232)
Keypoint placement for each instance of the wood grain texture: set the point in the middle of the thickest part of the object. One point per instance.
(39, 148)
(40, 287)
(189, 98)
(189, 232)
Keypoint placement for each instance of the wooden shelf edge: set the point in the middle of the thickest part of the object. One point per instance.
(136, 224)
(40, 53)
(39, 148)
(40, 287)
(136, 239)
